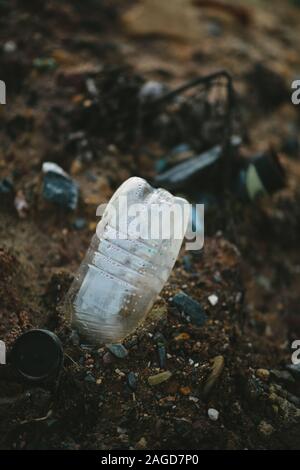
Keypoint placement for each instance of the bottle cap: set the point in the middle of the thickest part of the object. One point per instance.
(37, 354)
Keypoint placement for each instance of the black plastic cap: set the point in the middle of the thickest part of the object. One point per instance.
(37, 355)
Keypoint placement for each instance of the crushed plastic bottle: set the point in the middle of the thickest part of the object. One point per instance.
(121, 275)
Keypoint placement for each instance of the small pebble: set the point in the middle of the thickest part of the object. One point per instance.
(190, 307)
(141, 444)
(21, 204)
(6, 186)
(118, 350)
(132, 381)
(107, 358)
(58, 187)
(213, 299)
(79, 223)
(213, 414)
(185, 390)
(89, 378)
(182, 337)
(9, 47)
(262, 374)
(159, 378)
(217, 368)
(265, 428)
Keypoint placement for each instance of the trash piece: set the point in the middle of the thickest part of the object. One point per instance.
(58, 187)
(190, 307)
(159, 378)
(217, 369)
(118, 350)
(122, 274)
(263, 175)
(37, 355)
(21, 204)
(213, 414)
(179, 176)
(213, 299)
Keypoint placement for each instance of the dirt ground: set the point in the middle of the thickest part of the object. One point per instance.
(250, 259)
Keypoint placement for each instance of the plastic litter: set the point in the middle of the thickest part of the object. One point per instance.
(121, 276)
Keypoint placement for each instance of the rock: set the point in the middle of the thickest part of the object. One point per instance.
(74, 338)
(141, 444)
(89, 378)
(262, 374)
(6, 186)
(159, 378)
(217, 369)
(132, 381)
(265, 428)
(107, 358)
(190, 308)
(294, 370)
(162, 356)
(182, 337)
(213, 414)
(21, 204)
(9, 47)
(151, 91)
(118, 350)
(187, 263)
(161, 349)
(213, 299)
(79, 223)
(185, 391)
(58, 187)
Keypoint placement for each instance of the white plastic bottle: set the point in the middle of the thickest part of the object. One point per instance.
(122, 273)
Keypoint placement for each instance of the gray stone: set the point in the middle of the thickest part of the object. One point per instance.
(118, 350)
(190, 307)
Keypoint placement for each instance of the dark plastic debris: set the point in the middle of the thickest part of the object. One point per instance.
(181, 175)
(37, 355)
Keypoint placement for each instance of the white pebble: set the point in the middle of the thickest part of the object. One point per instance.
(9, 47)
(213, 299)
(213, 414)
